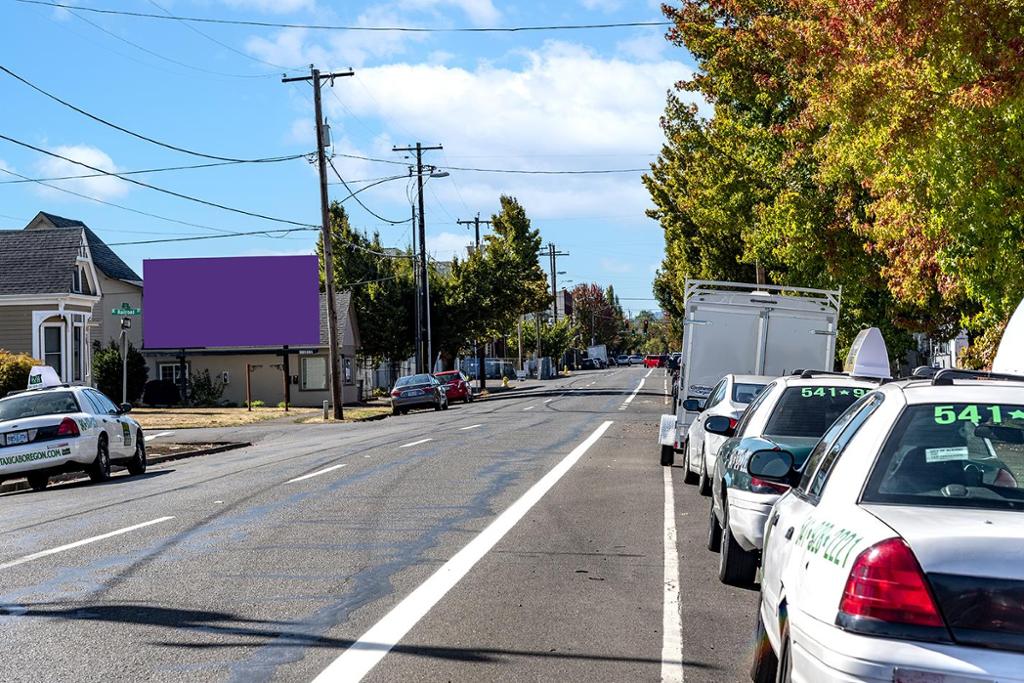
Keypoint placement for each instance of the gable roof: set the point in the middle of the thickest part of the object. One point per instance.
(107, 262)
(342, 302)
(38, 261)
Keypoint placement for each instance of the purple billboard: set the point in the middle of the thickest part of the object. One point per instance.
(240, 301)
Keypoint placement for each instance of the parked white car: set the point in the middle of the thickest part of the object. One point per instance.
(728, 398)
(897, 555)
(54, 428)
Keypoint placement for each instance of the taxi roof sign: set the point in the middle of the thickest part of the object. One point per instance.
(868, 356)
(43, 377)
(1010, 355)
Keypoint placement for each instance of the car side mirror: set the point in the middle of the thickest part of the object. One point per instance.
(125, 408)
(720, 424)
(771, 465)
(693, 405)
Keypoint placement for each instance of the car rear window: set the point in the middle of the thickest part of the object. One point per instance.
(412, 379)
(953, 455)
(745, 393)
(35, 405)
(810, 410)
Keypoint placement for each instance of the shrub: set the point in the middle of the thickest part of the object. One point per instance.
(258, 404)
(106, 371)
(280, 404)
(161, 392)
(205, 391)
(14, 369)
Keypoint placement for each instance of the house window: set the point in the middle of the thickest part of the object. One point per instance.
(53, 347)
(76, 280)
(78, 353)
(171, 372)
(313, 375)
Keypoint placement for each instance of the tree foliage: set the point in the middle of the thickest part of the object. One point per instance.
(14, 370)
(107, 371)
(873, 146)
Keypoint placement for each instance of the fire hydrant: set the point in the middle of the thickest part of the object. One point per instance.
(504, 382)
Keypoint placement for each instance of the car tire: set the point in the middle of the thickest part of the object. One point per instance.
(99, 470)
(137, 465)
(444, 406)
(38, 482)
(765, 665)
(437, 406)
(785, 670)
(714, 542)
(405, 411)
(396, 412)
(688, 476)
(704, 483)
(736, 566)
(668, 456)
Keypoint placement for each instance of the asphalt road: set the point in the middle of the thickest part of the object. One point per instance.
(520, 538)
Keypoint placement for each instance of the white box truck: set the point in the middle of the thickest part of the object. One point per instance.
(600, 351)
(730, 327)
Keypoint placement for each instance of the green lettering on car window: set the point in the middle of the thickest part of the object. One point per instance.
(945, 415)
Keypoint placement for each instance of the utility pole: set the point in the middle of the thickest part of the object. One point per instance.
(315, 77)
(553, 255)
(422, 291)
(416, 284)
(481, 349)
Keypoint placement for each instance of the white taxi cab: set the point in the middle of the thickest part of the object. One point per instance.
(898, 555)
(53, 428)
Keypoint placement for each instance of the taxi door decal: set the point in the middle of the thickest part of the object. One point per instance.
(126, 430)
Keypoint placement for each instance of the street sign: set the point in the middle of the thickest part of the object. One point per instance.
(126, 310)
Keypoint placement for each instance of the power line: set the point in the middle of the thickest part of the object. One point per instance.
(172, 193)
(25, 179)
(115, 126)
(329, 27)
(359, 201)
(586, 171)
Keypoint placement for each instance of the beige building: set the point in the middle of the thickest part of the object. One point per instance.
(307, 369)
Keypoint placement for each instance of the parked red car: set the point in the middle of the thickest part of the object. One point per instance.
(456, 385)
(655, 361)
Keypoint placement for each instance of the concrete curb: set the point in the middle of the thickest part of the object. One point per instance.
(22, 484)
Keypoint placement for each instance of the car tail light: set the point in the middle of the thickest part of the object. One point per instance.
(396, 393)
(733, 422)
(886, 583)
(762, 486)
(68, 427)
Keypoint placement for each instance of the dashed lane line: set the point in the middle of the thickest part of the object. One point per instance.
(414, 443)
(84, 541)
(462, 429)
(364, 654)
(672, 619)
(317, 473)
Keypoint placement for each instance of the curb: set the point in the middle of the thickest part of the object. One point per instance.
(22, 484)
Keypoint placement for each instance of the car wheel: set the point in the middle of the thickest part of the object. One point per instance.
(99, 470)
(437, 406)
(38, 482)
(765, 666)
(405, 411)
(444, 406)
(714, 543)
(704, 483)
(736, 566)
(688, 476)
(137, 465)
(668, 456)
(396, 411)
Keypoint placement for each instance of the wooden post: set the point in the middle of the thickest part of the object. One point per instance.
(248, 386)
(287, 378)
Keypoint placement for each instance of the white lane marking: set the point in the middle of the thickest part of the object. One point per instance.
(625, 404)
(672, 617)
(462, 429)
(528, 408)
(84, 541)
(665, 385)
(648, 373)
(549, 400)
(360, 658)
(414, 443)
(317, 473)
(157, 436)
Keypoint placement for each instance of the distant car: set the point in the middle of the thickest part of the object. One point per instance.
(655, 361)
(612, 362)
(589, 364)
(456, 385)
(622, 360)
(636, 358)
(59, 428)
(418, 391)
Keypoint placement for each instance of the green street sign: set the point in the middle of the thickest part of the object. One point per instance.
(126, 310)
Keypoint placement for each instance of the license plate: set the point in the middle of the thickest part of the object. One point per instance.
(15, 438)
(416, 392)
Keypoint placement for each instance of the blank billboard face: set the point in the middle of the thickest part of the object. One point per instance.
(239, 301)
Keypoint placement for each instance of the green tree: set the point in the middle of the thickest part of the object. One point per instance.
(107, 371)
(14, 370)
(555, 338)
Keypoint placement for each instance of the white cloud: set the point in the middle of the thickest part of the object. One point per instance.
(603, 5)
(480, 12)
(100, 187)
(443, 246)
(647, 47)
(273, 6)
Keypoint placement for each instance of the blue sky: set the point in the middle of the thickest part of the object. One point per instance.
(527, 101)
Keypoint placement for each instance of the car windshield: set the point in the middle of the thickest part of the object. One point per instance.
(745, 393)
(411, 380)
(446, 376)
(810, 410)
(34, 405)
(956, 455)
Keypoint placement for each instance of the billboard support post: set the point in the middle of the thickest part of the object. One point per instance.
(287, 378)
(182, 379)
(315, 77)
(248, 386)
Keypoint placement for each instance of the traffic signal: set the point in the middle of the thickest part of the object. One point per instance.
(646, 321)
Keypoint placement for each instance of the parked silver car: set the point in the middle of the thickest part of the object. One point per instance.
(418, 391)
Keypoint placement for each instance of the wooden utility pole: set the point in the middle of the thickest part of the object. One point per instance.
(315, 77)
(481, 349)
(423, 364)
(553, 255)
